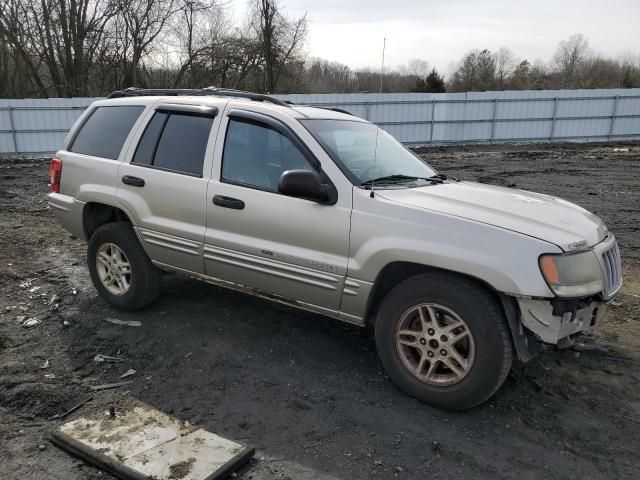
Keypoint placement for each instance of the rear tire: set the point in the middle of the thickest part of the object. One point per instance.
(431, 321)
(120, 269)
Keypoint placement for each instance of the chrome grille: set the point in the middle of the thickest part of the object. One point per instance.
(612, 270)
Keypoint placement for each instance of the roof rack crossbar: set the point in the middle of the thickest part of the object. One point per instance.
(221, 92)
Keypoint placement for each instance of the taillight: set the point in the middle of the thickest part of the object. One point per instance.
(55, 172)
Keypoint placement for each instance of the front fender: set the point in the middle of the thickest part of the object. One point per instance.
(383, 232)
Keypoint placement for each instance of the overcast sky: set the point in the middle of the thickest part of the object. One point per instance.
(351, 31)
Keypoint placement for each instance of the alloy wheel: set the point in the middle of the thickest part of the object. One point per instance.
(435, 344)
(113, 269)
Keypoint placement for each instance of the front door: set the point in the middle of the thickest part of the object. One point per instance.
(258, 238)
(164, 186)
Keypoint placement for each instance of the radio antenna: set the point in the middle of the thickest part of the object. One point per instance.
(375, 151)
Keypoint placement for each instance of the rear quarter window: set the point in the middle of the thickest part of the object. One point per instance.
(103, 134)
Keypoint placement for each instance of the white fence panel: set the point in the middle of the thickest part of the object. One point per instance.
(38, 126)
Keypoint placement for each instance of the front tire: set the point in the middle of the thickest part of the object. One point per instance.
(120, 269)
(444, 339)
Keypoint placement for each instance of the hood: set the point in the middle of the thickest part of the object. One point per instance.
(548, 218)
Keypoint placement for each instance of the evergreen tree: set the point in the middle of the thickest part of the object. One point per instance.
(435, 82)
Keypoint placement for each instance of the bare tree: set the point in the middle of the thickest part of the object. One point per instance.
(62, 35)
(140, 23)
(195, 30)
(418, 67)
(280, 39)
(91, 47)
(505, 61)
(571, 58)
(476, 71)
(630, 66)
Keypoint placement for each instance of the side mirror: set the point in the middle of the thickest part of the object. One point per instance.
(303, 184)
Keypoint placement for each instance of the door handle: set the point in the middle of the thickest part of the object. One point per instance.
(133, 181)
(228, 202)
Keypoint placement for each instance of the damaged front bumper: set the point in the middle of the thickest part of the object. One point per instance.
(558, 322)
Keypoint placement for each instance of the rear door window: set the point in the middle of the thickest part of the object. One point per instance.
(147, 145)
(103, 134)
(175, 141)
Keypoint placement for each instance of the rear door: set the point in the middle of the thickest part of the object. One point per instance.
(163, 185)
(95, 149)
(256, 237)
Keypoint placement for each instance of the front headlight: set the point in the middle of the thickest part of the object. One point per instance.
(572, 275)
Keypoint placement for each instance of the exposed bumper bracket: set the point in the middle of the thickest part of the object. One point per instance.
(526, 345)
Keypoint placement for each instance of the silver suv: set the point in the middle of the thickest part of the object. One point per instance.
(326, 212)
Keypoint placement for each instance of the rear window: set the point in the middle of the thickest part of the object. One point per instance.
(175, 141)
(103, 134)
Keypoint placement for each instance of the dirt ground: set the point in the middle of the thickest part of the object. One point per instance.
(308, 392)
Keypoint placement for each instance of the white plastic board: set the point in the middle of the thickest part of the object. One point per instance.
(142, 442)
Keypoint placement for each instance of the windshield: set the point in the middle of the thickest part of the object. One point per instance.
(353, 144)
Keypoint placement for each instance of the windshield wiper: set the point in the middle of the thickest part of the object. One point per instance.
(444, 176)
(393, 179)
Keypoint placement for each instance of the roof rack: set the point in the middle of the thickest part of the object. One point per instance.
(221, 92)
(333, 109)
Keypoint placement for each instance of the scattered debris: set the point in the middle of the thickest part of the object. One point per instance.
(72, 409)
(111, 385)
(66, 323)
(128, 373)
(54, 302)
(45, 364)
(26, 283)
(129, 323)
(436, 447)
(50, 376)
(106, 358)
(30, 322)
(34, 289)
(621, 149)
(74, 291)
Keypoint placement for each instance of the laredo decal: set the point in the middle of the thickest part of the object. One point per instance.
(300, 261)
